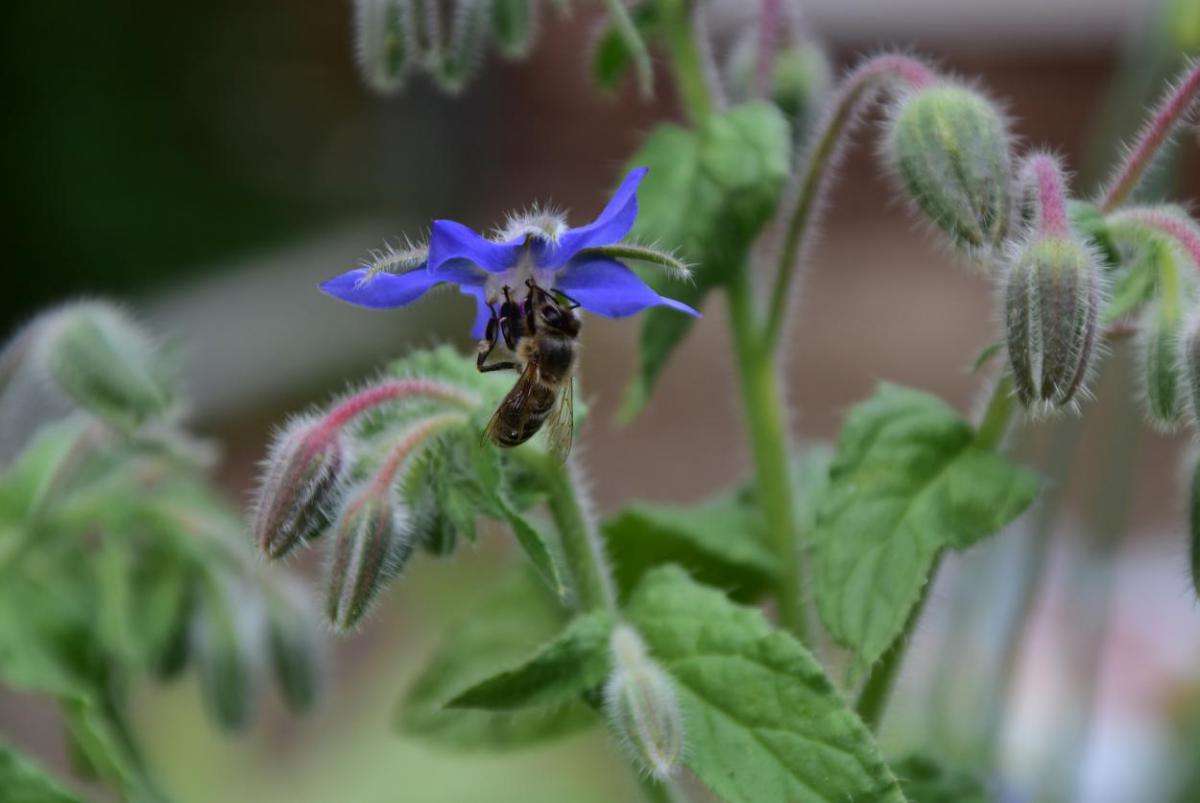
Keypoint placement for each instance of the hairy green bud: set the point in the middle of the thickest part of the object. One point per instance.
(952, 150)
(1163, 364)
(455, 62)
(296, 652)
(298, 486)
(373, 544)
(223, 652)
(386, 42)
(105, 363)
(514, 24)
(642, 707)
(1190, 355)
(1052, 303)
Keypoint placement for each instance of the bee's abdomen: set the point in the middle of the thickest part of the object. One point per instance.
(517, 422)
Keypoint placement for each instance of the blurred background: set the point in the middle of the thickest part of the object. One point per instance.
(209, 164)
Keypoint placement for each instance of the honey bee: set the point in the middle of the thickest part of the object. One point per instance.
(541, 332)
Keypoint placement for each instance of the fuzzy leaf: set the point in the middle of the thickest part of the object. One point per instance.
(719, 543)
(907, 482)
(507, 627)
(763, 723)
(24, 782)
(574, 662)
(708, 194)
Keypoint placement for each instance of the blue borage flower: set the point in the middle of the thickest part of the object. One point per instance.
(538, 246)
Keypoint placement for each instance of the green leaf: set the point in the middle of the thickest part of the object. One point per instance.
(24, 782)
(513, 25)
(763, 724)
(719, 542)
(709, 194)
(508, 626)
(27, 485)
(575, 662)
(926, 781)
(907, 482)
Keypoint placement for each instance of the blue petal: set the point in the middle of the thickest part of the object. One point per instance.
(483, 313)
(450, 241)
(390, 290)
(611, 226)
(381, 291)
(606, 287)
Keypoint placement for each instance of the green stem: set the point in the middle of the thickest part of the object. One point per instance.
(582, 546)
(769, 443)
(858, 88)
(877, 690)
(686, 58)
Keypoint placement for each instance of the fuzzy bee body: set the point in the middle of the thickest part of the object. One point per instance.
(542, 333)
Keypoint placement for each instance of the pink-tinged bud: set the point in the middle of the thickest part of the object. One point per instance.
(1052, 300)
(299, 486)
(951, 148)
(303, 469)
(372, 546)
(642, 707)
(374, 532)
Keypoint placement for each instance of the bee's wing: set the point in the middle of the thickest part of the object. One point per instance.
(517, 397)
(560, 429)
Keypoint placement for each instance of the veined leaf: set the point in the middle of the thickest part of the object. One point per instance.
(907, 482)
(576, 661)
(763, 724)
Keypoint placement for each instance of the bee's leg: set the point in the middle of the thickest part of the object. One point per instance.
(488, 343)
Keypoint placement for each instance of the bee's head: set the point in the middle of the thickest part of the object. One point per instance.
(553, 314)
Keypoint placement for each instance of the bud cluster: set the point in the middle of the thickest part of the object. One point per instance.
(445, 38)
(322, 475)
(642, 706)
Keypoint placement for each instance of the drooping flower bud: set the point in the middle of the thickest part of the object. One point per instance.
(801, 83)
(1052, 303)
(296, 652)
(641, 704)
(105, 363)
(514, 24)
(1164, 364)
(952, 150)
(456, 61)
(298, 486)
(386, 42)
(223, 652)
(1190, 355)
(373, 543)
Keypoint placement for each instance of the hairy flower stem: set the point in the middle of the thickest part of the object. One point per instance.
(858, 90)
(1164, 122)
(872, 701)
(686, 57)
(770, 13)
(770, 444)
(385, 392)
(582, 546)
